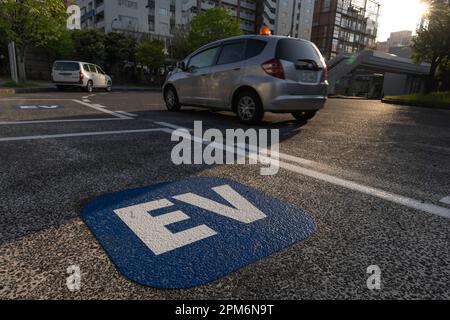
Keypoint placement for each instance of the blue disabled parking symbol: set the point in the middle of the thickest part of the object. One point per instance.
(188, 233)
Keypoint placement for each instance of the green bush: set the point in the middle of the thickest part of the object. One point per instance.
(435, 99)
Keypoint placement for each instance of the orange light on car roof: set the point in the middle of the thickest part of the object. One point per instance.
(265, 31)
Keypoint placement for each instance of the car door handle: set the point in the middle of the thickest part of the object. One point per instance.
(237, 69)
(203, 75)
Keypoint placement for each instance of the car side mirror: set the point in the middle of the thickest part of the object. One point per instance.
(170, 68)
(182, 65)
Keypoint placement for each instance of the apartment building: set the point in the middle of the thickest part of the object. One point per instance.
(345, 26)
(156, 17)
(160, 17)
(287, 17)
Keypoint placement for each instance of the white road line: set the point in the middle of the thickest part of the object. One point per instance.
(170, 125)
(375, 192)
(445, 200)
(101, 109)
(30, 99)
(58, 121)
(82, 134)
(127, 113)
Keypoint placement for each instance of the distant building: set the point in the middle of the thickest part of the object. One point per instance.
(160, 17)
(400, 39)
(399, 43)
(345, 26)
(382, 46)
(287, 17)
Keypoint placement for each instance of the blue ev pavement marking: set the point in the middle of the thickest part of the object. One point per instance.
(39, 107)
(188, 233)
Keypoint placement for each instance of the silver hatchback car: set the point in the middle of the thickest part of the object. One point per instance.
(251, 75)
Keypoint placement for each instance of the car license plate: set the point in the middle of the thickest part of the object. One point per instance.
(308, 76)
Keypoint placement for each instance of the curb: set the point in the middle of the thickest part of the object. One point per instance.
(414, 104)
(12, 91)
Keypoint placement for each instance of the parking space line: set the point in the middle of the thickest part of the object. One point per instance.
(170, 125)
(59, 121)
(83, 134)
(375, 192)
(127, 113)
(102, 109)
(445, 200)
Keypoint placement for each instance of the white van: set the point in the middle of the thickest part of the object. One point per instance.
(80, 74)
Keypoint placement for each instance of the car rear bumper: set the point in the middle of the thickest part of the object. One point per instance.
(291, 103)
(74, 84)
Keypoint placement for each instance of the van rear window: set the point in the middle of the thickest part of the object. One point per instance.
(294, 50)
(67, 66)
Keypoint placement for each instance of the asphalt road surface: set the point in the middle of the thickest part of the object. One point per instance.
(373, 176)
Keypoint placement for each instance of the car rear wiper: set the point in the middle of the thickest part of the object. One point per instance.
(308, 64)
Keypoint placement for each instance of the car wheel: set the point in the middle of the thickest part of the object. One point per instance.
(60, 88)
(249, 108)
(171, 98)
(109, 87)
(304, 115)
(90, 86)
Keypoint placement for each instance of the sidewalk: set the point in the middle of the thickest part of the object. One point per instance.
(42, 86)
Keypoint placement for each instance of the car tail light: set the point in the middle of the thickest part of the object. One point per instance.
(325, 73)
(81, 76)
(274, 68)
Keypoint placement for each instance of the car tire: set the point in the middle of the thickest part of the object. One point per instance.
(108, 87)
(304, 115)
(171, 99)
(90, 86)
(248, 107)
(60, 88)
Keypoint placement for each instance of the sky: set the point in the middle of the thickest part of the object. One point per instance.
(398, 15)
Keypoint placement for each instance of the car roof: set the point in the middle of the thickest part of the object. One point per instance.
(75, 61)
(244, 37)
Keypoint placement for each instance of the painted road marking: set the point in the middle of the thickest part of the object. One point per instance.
(82, 134)
(58, 121)
(445, 200)
(379, 193)
(170, 125)
(127, 114)
(102, 109)
(40, 107)
(375, 192)
(187, 233)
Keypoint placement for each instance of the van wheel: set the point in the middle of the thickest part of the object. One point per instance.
(90, 86)
(109, 87)
(171, 99)
(305, 115)
(248, 107)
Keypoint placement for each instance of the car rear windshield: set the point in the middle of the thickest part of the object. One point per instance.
(294, 50)
(67, 66)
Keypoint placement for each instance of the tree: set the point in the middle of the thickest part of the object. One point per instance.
(119, 49)
(150, 53)
(31, 23)
(432, 43)
(89, 45)
(213, 24)
(3, 52)
(61, 49)
(180, 45)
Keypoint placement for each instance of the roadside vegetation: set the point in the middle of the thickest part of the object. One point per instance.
(129, 57)
(432, 100)
(432, 45)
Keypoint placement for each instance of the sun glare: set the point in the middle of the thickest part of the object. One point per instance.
(398, 15)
